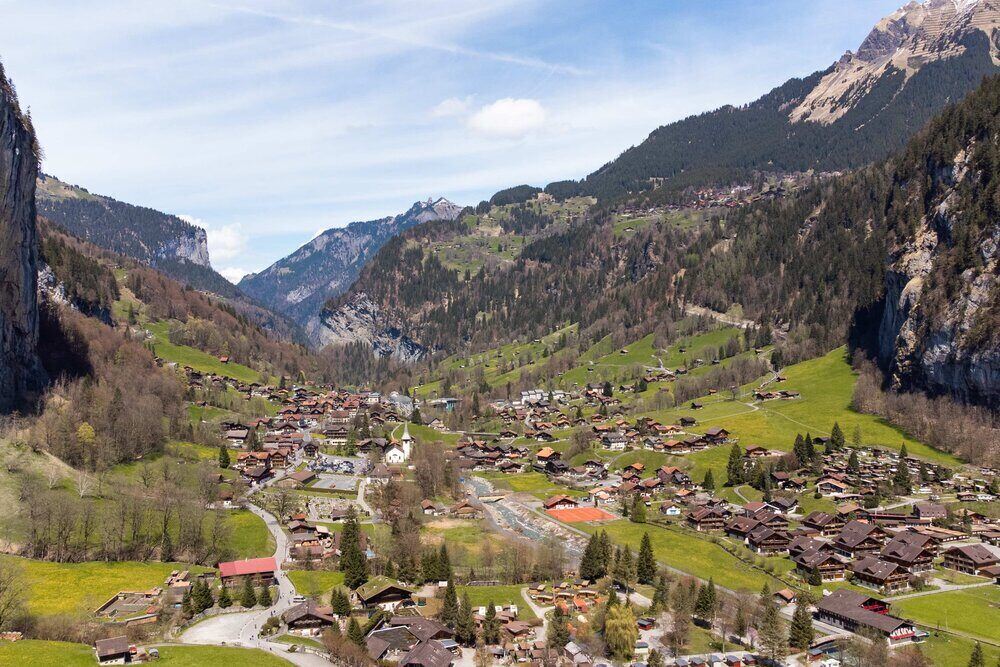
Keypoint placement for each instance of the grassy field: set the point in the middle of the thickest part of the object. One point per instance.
(196, 359)
(316, 582)
(690, 554)
(973, 611)
(203, 656)
(38, 653)
(80, 588)
(250, 536)
(481, 596)
(826, 385)
(951, 651)
(534, 483)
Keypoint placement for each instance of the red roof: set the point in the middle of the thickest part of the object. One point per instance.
(239, 568)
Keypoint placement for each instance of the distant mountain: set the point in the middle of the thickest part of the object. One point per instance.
(860, 110)
(300, 283)
(158, 239)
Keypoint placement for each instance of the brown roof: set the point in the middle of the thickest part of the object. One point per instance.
(848, 604)
(111, 646)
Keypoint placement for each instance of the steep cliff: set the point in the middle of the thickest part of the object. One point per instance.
(299, 284)
(20, 369)
(940, 326)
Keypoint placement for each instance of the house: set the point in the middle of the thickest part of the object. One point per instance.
(857, 612)
(717, 435)
(560, 502)
(971, 558)
(428, 654)
(260, 570)
(858, 539)
(381, 593)
(824, 523)
(302, 477)
(113, 651)
(912, 551)
(766, 540)
(929, 511)
(463, 509)
(829, 486)
(431, 508)
(308, 618)
(669, 509)
(784, 597)
(396, 636)
(706, 518)
(881, 574)
(816, 557)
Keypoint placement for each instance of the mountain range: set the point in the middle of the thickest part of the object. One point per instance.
(299, 284)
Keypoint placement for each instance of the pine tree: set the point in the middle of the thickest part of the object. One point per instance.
(340, 603)
(224, 600)
(734, 468)
(605, 552)
(901, 478)
(465, 632)
(429, 566)
(856, 438)
(799, 447)
(704, 607)
(852, 462)
(186, 609)
(264, 597)
(836, 440)
(661, 596)
(655, 659)
(591, 566)
(800, 633)
(355, 632)
(645, 568)
(248, 599)
(353, 563)
(444, 564)
(977, 659)
(449, 611)
(491, 626)
(558, 635)
(224, 457)
(709, 483)
(810, 448)
(772, 633)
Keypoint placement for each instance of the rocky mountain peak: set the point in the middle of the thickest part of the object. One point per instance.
(910, 38)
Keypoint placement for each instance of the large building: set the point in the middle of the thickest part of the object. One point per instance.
(857, 612)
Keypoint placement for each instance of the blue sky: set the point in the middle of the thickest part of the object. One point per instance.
(268, 121)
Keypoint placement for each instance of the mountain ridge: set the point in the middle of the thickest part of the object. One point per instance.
(298, 284)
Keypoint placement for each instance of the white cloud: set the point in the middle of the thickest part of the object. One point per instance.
(224, 243)
(233, 273)
(509, 117)
(453, 106)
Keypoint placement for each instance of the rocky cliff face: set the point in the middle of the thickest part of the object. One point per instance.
(907, 40)
(299, 285)
(360, 320)
(20, 369)
(942, 281)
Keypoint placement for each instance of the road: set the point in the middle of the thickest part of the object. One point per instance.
(243, 628)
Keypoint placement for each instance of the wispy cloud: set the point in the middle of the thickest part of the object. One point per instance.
(272, 119)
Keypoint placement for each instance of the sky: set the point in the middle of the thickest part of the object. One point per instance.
(269, 121)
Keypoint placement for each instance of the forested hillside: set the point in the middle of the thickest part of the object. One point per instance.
(729, 144)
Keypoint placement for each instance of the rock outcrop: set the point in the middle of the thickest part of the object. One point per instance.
(937, 328)
(21, 371)
(360, 320)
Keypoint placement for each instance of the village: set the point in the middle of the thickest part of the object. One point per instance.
(844, 532)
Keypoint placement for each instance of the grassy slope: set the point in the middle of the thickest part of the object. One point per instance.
(316, 582)
(38, 653)
(80, 588)
(826, 385)
(974, 611)
(250, 536)
(686, 552)
(196, 359)
(203, 656)
(951, 651)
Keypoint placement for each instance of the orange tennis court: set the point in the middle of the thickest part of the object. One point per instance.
(581, 515)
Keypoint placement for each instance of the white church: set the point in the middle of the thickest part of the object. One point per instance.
(399, 452)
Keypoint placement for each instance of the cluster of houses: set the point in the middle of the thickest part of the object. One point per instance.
(130, 608)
